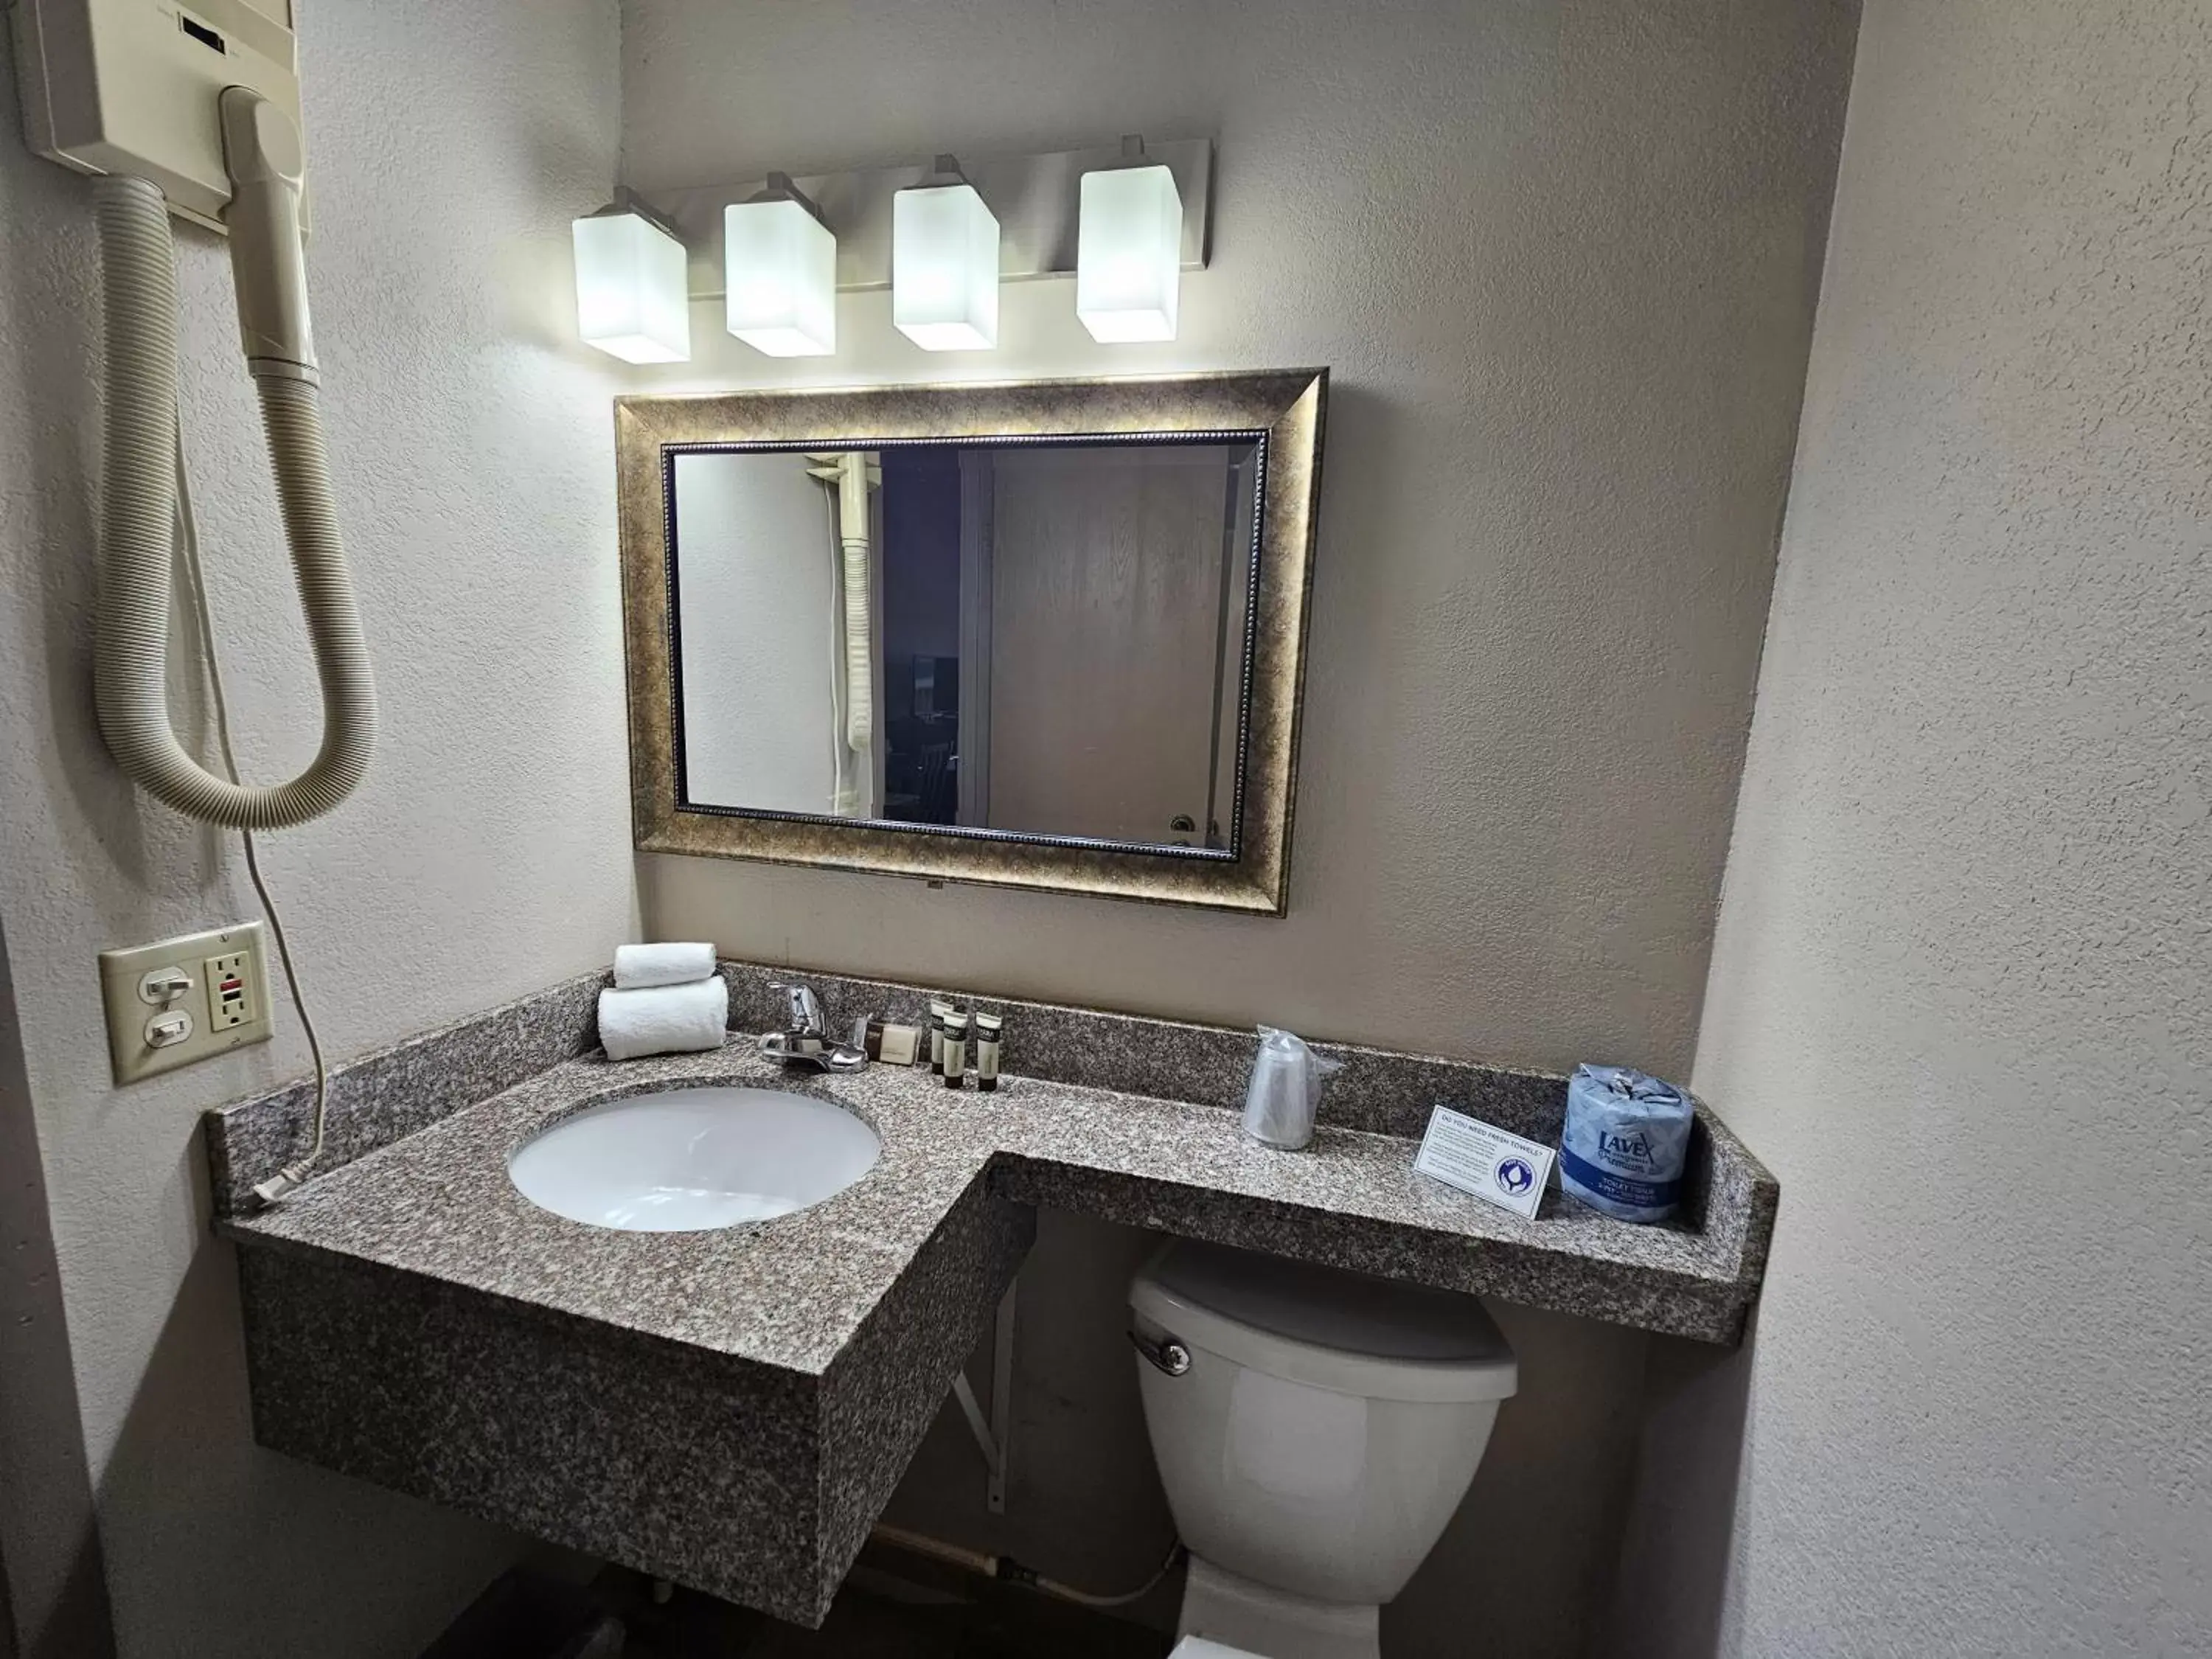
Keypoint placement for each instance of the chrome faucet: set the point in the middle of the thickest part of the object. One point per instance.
(805, 1039)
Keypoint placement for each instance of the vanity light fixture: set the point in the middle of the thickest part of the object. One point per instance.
(1128, 250)
(780, 269)
(1126, 220)
(632, 298)
(945, 263)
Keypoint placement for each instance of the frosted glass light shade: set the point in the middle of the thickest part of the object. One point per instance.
(782, 266)
(632, 299)
(945, 269)
(1128, 254)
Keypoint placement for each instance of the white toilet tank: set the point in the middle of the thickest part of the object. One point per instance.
(1329, 1423)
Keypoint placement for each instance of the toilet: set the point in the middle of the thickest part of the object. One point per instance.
(1315, 1430)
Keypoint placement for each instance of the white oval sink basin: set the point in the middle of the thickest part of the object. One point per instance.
(690, 1159)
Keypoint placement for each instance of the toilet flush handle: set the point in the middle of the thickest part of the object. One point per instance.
(1167, 1353)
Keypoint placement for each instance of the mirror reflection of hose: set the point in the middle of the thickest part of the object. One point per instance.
(840, 754)
(860, 652)
(139, 507)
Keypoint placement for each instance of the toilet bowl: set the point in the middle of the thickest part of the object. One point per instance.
(1315, 1430)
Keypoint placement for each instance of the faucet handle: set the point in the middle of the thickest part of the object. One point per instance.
(805, 1017)
(805, 1040)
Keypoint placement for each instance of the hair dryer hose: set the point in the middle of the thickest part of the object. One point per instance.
(137, 525)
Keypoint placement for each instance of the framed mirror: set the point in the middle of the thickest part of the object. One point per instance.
(1048, 634)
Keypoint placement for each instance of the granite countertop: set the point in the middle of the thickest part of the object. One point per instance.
(791, 1292)
(732, 1409)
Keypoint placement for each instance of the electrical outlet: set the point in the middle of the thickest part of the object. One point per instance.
(184, 1000)
(231, 1001)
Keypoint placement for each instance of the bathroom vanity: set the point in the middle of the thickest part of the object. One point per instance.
(733, 1408)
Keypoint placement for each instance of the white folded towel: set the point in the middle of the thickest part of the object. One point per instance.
(637, 966)
(664, 1019)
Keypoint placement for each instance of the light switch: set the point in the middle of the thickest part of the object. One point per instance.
(163, 986)
(184, 1000)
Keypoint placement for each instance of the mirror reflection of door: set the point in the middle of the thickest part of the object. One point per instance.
(1113, 575)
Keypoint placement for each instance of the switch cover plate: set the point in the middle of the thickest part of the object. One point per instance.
(225, 1005)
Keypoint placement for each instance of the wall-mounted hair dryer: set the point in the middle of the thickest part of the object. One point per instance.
(195, 110)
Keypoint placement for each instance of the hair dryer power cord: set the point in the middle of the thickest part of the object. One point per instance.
(188, 545)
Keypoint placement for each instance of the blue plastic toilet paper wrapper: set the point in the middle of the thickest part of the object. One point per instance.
(1626, 1139)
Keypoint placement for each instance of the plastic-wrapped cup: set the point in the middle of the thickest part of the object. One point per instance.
(1284, 1095)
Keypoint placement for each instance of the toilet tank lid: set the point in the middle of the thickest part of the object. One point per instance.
(1323, 1326)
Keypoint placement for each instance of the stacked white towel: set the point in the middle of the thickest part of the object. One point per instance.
(666, 1000)
(638, 966)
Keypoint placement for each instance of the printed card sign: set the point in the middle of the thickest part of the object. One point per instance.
(1481, 1158)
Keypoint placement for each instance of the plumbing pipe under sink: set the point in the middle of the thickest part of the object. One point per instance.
(1005, 1569)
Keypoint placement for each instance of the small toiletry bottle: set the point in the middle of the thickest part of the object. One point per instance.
(988, 1029)
(938, 1010)
(956, 1050)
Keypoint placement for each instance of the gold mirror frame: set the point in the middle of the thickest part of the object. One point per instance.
(1281, 409)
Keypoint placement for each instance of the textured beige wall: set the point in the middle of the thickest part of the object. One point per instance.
(486, 854)
(1961, 998)
(1561, 256)
(53, 1592)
